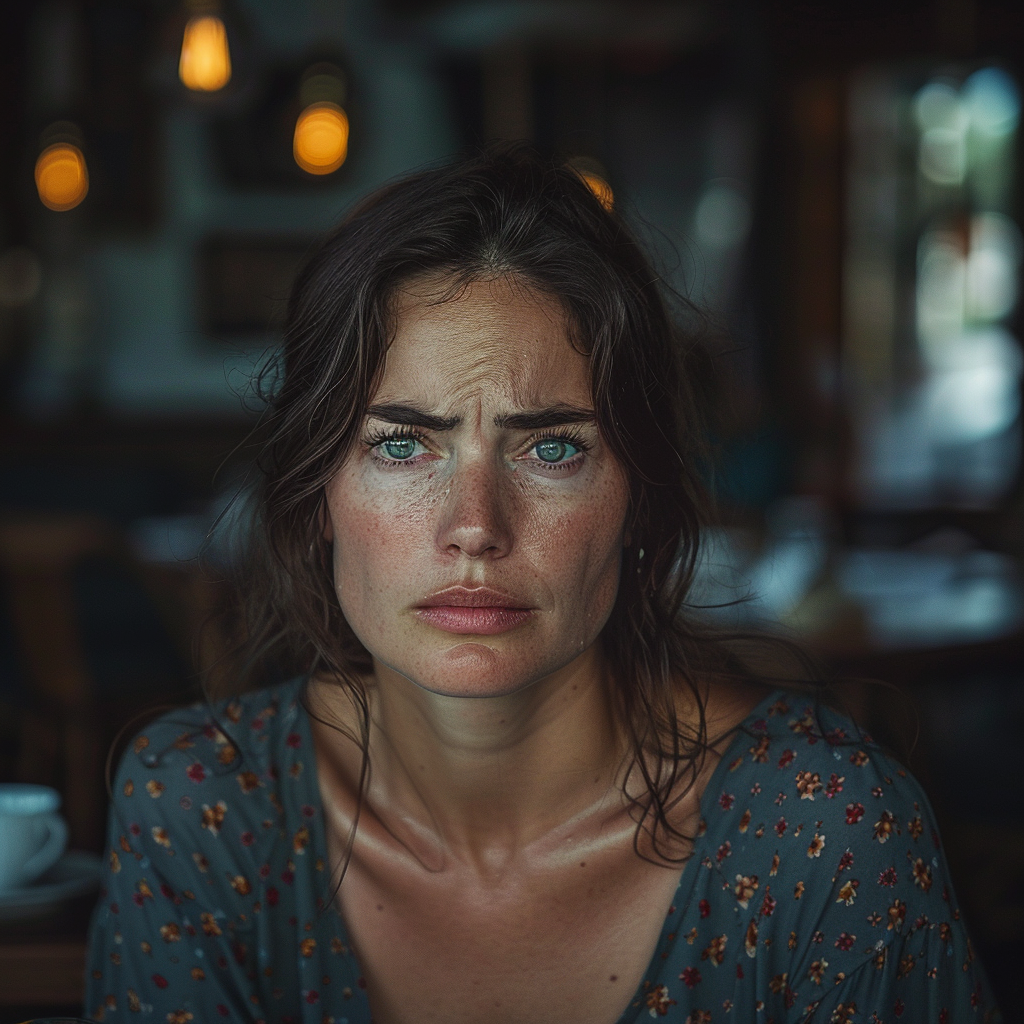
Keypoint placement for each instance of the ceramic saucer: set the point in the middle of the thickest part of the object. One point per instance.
(75, 874)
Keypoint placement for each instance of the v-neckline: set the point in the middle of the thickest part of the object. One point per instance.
(679, 903)
(681, 898)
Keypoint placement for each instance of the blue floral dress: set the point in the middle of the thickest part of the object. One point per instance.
(817, 890)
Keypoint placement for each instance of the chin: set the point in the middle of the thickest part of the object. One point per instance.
(472, 668)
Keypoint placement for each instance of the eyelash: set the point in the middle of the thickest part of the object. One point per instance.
(374, 440)
(570, 435)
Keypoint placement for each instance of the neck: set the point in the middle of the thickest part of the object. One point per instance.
(481, 779)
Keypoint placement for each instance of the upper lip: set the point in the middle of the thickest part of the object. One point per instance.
(471, 597)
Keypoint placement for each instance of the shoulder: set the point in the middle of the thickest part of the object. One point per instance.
(802, 754)
(210, 818)
(200, 770)
(802, 771)
(828, 844)
(205, 742)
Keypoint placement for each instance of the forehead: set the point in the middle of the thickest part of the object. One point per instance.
(496, 342)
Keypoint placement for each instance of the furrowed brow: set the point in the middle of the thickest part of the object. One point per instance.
(412, 416)
(554, 416)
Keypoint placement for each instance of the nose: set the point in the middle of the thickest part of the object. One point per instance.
(475, 516)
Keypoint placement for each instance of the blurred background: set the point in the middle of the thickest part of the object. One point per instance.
(837, 185)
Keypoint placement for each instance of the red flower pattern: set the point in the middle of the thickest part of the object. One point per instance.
(251, 860)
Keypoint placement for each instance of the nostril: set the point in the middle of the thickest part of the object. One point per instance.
(472, 517)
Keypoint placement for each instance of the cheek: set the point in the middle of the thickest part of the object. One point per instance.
(376, 537)
(583, 545)
(356, 526)
(364, 566)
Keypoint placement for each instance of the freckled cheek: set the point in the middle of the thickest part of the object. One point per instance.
(376, 543)
(580, 550)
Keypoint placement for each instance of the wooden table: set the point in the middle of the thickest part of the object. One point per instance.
(42, 961)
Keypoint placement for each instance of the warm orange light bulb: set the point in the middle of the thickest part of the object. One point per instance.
(205, 63)
(320, 144)
(600, 188)
(61, 176)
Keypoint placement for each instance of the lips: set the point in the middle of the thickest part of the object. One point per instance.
(478, 610)
(471, 597)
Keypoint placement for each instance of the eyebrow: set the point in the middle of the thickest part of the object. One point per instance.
(405, 414)
(412, 416)
(552, 416)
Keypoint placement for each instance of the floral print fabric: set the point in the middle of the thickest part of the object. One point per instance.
(817, 890)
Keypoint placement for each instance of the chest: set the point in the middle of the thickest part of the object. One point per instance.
(569, 946)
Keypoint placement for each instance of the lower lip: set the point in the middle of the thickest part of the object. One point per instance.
(482, 621)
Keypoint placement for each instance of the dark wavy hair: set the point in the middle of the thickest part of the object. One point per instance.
(503, 214)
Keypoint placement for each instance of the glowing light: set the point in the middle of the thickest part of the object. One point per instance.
(600, 188)
(61, 176)
(943, 121)
(993, 266)
(976, 393)
(937, 105)
(320, 144)
(941, 293)
(993, 101)
(205, 64)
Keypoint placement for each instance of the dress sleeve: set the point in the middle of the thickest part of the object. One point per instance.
(168, 937)
(890, 925)
(930, 974)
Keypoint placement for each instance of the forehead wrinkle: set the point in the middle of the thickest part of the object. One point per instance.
(460, 351)
(507, 389)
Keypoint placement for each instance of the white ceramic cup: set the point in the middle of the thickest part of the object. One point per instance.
(32, 834)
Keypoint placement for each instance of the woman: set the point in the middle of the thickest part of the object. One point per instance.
(478, 522)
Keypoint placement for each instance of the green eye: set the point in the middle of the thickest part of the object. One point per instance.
(551, 450)
(400, 448)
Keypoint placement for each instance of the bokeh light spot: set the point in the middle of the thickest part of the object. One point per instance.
(205, 63)
(993, 101)
(600, 188)
(61, 176)
(320, 144)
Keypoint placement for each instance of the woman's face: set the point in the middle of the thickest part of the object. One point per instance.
(478, 524)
